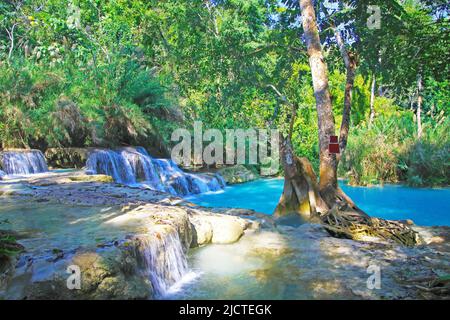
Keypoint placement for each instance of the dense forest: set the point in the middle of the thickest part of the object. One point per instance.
(120, 72)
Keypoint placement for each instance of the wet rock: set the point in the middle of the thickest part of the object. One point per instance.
(151, 217)
(237, 174)
(120, 287)
(218, 228)
(113, 275)
(224, 229)
(6, 271)
(203, 232)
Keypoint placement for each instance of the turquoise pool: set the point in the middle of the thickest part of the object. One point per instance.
(425, 206)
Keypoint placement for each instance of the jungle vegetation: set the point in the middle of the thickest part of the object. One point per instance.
(122, 72)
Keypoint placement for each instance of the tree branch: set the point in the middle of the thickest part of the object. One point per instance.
(11, 38)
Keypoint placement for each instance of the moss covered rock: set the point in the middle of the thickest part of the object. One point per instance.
(92, 178)
(237, 174)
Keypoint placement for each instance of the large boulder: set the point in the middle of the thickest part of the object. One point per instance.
(225, 229)
(203, 231)
(104, 274)
(237, 174)
(113, 275)
(216, 228)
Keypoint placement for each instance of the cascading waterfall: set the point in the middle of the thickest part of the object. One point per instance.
(142, 167)
(111, 163)
(165, 261)
(182, 183)
(133, 164)
(23, 162)
(221, 181)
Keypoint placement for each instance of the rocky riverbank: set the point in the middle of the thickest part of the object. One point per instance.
(305, 262)
(132, 243)
(127, 227)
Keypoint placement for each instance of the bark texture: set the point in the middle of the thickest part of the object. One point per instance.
(301, 191)
(350, 63)
(319, 71)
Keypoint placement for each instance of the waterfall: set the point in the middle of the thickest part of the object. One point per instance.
(182, 183)
(164, 261)
(221, 181)
(23, 162)
(142, 167)
(173, 177)
(131, 165)
(111, 163)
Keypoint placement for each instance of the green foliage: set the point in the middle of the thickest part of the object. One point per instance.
(8, 245)
(104, 73)
(66, 106)
(390, 152)
(85, 83)
(427, 161)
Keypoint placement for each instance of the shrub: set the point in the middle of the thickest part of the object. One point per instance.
(391, 152)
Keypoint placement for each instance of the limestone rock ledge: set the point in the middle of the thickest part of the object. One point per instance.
(116, 268)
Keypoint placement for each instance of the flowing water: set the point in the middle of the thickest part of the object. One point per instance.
(45, 228)
(425, 206)
(134, 165)
(23, 162)
(238, 271)
(49, 227)
(128, 165)
(249, 269)
(166, 264)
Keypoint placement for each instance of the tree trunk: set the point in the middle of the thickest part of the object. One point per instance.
(326, 202)
(419, 106)
(372, 101)
(301, 192)
(350, 66)
(328, 163)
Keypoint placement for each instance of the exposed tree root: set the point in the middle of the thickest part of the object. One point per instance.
(439, 286)
(341, 217)
(348, 223)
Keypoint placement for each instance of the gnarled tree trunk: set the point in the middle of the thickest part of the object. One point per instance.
(301, 191)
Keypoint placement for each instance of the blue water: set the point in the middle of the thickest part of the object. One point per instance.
(425, 206)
